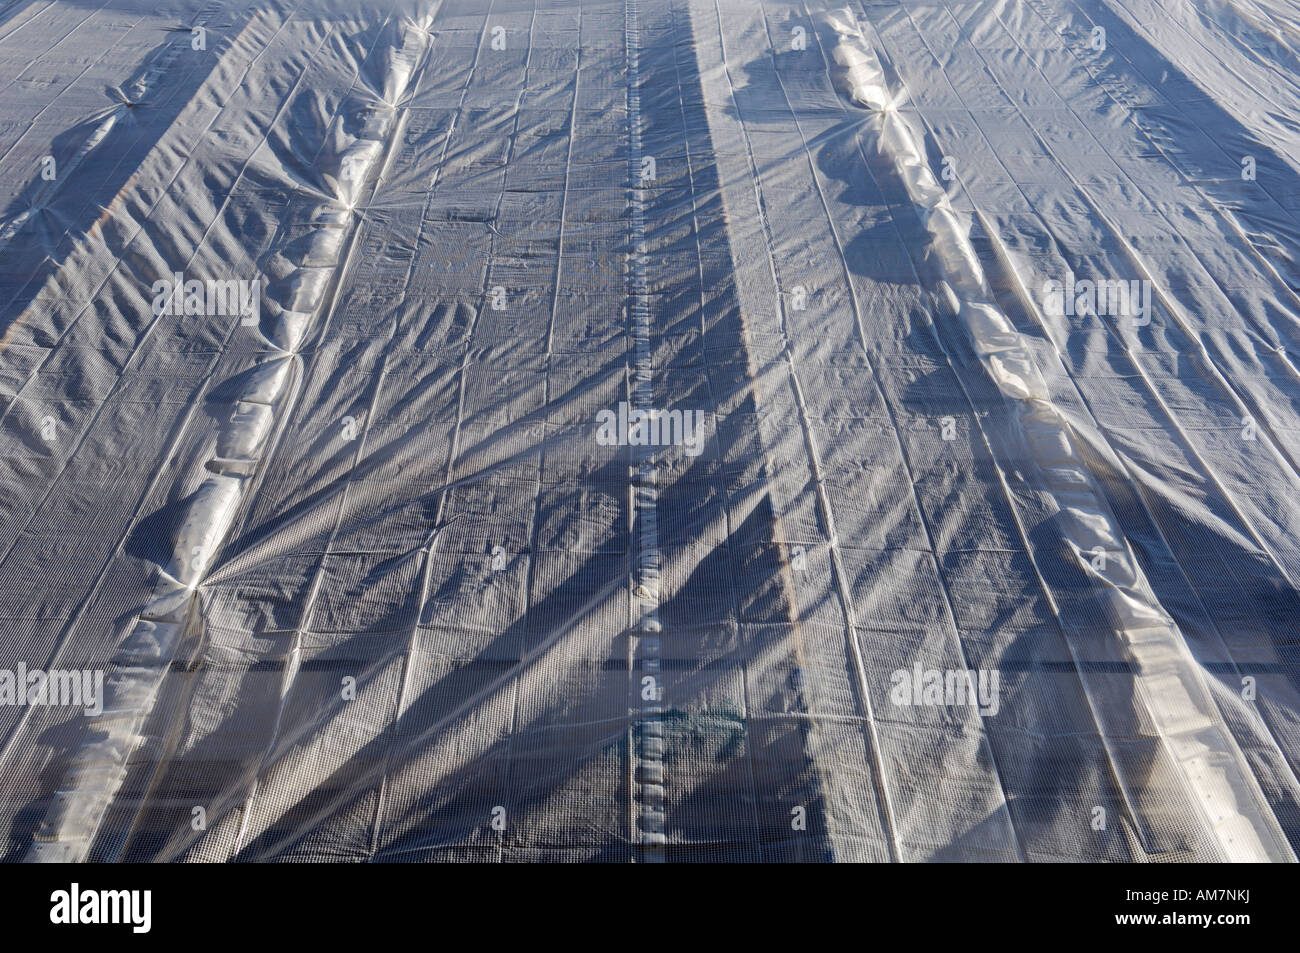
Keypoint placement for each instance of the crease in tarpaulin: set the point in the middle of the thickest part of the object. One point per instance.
(130, 93)
(126, 97)
(1014, 269)
(1217, 784)
(299, 294)
(135, 198)
(1219, 362)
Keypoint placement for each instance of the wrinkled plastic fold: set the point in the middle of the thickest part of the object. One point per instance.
(649, 431)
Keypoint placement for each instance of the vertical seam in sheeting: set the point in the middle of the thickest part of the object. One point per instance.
(646, 687)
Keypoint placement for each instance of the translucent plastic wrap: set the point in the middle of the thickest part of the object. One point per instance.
(649, 430)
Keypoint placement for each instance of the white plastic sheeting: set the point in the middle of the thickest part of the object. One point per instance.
(311, 325)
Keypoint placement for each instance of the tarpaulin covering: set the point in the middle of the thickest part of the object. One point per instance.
(649, 430)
